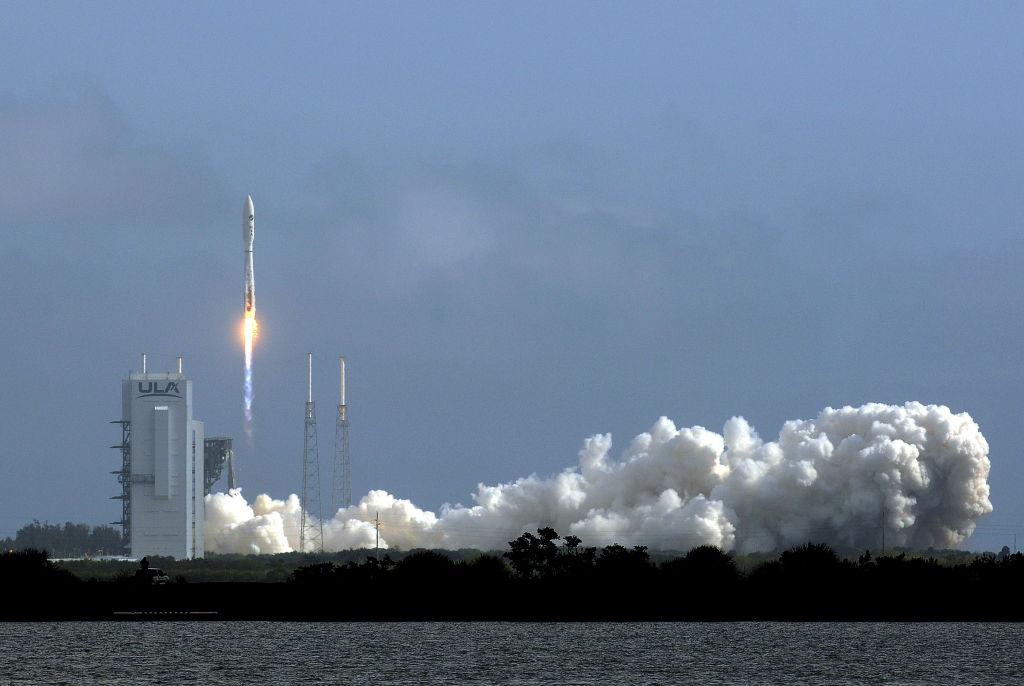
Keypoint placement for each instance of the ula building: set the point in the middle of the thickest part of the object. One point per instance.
(162, 473)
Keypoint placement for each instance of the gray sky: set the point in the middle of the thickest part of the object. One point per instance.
(523, 226)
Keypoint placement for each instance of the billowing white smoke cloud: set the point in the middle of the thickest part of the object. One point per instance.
(267, 526)
(919, 468)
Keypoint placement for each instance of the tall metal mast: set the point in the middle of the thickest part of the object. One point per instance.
(311, 522)
(341, 486)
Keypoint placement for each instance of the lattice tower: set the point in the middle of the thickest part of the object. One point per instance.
(311, 526)
(341, 485)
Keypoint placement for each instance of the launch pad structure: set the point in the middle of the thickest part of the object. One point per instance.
(162, 468)
(162, 476)
(311, 521)
(218, 453)
(341, 485)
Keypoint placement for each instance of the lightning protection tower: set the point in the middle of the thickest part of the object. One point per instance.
(311, 522)
(341, 486)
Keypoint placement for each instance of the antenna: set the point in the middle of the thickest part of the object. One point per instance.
(143, 363)
(376, 528)
(341, 483)
(341, 377)
(179, 364)
(311, 521)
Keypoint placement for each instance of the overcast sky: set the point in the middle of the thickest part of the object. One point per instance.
(522, 226)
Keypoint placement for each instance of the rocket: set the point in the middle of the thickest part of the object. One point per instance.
(248, 233)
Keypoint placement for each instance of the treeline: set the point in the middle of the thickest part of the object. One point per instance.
(545, 577)
(227, 567)
(66, 540)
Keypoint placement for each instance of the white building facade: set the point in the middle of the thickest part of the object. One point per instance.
(166, 466)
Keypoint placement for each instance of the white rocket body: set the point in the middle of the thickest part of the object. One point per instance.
(248, 233)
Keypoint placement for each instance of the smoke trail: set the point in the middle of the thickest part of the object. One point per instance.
(920, 469)
(249, 329)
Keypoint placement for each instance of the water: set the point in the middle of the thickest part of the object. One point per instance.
(488, 653)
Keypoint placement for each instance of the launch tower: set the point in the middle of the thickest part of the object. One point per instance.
(311, 526)
(341, 486)
(218, 454)
(162, 465)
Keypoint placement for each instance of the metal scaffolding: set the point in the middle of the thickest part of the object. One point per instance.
(341, 486)
(124, 477)
(311, 526)
(217, 453)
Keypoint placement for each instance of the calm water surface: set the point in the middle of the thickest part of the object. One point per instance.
(488, 653)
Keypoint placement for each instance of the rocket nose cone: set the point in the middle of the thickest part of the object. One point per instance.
(248, 205)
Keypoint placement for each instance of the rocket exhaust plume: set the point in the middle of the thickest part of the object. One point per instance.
(250, 326)
(918, 473)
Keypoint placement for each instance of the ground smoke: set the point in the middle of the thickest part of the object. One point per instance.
(920, 469)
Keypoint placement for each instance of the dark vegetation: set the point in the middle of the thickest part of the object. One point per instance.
(540, 577)
(66, 540)
(232, 567)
